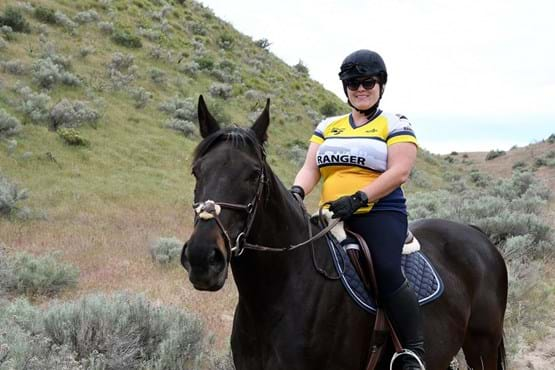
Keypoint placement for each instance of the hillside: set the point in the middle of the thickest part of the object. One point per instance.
(98, 102)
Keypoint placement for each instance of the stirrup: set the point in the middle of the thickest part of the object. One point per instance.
(407, 352)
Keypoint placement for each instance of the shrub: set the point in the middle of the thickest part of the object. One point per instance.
(190, 68)
(157, 76)
(48, 71)
(7, 32)
(150, 34)
(551, 139)
(188, 128)
(539, 162)
(198, 29)
(121, 70)
(45, 14)
(126, 38)
(122, 331)
(301, 68)
(166, 250)
(221, 90)
(40, 275)
(85, 51)
(72, 137)
(3, 43)
(10, 196)
(34, 105)
(205, 63)
(8, 125)
(494, 154)
(15, 67)
(504, 210)
(72, 114)
(183, 109)
(87, 16)
(64, 21)
(141, 97)
(106, 27)
(479, 179)
(263, 43)
(520, 165)
(14, 19)
(225, 41)
(329, 109)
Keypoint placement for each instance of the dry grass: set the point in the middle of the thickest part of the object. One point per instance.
(110, 247)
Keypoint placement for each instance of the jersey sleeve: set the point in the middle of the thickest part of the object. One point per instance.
(400, 131)
(319, 132)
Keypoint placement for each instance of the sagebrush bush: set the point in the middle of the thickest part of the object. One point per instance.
(9, 125)
(15, 67)
(505, 210)
(301, 68)
(157, 76)
(141, 96)
(150, 34)
(187, 128)
(329, 109)
(191, 68)
(3, 43)
(221, 90)
(129, 332)
(44, 14)
(122, 70)
(126, 38)
(34, 105)
(183, 109)
(49, 71)
(72, 114)
(14, 18)
(494, 154)
(166, 250)
(72, 137)
(42, 275)
(122, 331)
(106, 27)
(87, 16)
(64, 21)
(263, 43)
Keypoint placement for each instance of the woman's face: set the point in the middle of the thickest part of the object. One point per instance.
(361, 97)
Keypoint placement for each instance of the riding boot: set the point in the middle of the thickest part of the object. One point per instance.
(403, 311)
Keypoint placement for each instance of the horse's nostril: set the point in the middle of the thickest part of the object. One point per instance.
(213, 257)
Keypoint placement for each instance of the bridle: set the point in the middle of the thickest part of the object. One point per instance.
(209, 209)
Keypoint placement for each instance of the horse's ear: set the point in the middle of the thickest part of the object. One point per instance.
(207, 123)
(261, 125)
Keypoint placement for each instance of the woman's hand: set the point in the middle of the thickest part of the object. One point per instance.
(346, 206)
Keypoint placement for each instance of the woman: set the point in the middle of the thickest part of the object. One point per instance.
(364, 157)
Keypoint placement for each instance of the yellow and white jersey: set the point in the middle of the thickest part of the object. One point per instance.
(351, 157)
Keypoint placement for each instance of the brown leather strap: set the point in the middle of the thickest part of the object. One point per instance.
(382, 325)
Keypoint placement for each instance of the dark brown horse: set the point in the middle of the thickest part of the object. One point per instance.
(288, 315)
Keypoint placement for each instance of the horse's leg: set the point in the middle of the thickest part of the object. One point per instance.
(481, 352)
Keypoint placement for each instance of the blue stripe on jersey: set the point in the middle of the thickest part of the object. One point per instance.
(356, 137)
(319, 134)
(348, 165)
(399, 133)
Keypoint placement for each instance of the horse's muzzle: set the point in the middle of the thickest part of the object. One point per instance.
(206, 264)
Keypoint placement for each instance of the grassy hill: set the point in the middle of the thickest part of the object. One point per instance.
(125, 76)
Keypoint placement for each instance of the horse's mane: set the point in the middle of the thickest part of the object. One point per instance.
(238, 137)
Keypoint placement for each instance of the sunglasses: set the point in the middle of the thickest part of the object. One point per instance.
(366, 84)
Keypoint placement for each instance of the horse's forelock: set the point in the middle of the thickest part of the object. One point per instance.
(236, 136)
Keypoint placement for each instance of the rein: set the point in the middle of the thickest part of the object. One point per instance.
(210, 209)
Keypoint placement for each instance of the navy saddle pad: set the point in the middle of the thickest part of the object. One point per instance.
(417, 269)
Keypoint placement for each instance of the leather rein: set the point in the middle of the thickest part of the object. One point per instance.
(210, 209)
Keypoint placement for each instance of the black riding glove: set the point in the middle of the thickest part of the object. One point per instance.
(296, 189)
(346, 206)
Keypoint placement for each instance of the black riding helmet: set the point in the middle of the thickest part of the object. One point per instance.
(363, 63)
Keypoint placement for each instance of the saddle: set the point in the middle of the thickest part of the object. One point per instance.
(353, 263)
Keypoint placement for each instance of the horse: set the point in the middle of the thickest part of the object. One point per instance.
(288, 315)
